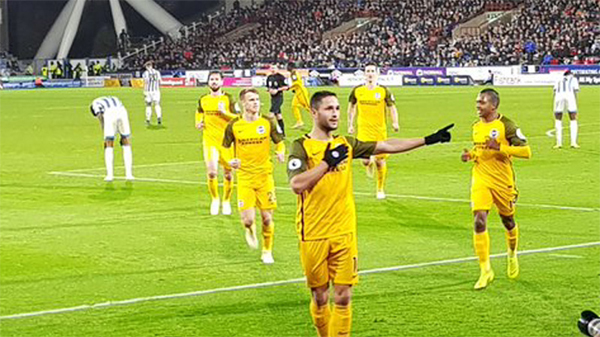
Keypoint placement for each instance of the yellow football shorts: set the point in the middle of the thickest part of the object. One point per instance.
(259, 192)
(213, 151)
(483, 197)
(330, 260)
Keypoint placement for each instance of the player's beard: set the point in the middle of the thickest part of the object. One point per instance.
(213, 89)
(328, 127)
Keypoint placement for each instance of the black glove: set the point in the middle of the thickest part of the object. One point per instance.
(441, 136)
(335, 156)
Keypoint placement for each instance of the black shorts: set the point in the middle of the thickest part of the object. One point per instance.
(276, 103)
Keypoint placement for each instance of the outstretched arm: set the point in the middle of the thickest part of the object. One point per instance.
(394, 145)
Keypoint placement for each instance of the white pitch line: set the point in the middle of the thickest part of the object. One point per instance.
(279, 283)
(550, 133)
(398, 196)
(567, 256)
(138, 166)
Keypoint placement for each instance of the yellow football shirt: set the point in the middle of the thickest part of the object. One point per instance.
(215, 121)
(328, 209)
(297, 82)
(252, 146)
(371, 108)
(493, 168)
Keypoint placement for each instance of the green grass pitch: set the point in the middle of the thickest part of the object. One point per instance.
(71, 239)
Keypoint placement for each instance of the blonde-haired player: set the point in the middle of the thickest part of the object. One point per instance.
(497, 140)
(251, 136)
(300, 100)
(215, 110)
(320, 172)
(371, 101)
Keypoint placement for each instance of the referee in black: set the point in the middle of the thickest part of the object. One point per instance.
(276, 86)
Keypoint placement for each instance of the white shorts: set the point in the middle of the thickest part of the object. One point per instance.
(561, 101)
(152, 97)
(116, 121)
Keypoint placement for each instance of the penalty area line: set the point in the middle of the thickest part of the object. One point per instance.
(394, 196)
(279, 283)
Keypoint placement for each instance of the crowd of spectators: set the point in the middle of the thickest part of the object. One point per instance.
(541, 32)
(9, 65)
(406, 33)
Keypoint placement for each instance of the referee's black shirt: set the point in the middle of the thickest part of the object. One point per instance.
(276, 81)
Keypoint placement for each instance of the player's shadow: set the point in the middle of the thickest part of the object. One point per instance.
(114, 193)
(155, 127)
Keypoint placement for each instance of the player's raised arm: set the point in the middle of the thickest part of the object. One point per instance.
(394, 145)
(517, 142)
(303, 179)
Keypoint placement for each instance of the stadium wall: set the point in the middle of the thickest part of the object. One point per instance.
(403, 76)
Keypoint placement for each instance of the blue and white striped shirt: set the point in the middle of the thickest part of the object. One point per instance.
(566, 85)
(103, 104)
(151, 80)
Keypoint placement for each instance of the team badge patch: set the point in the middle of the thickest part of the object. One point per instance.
(494, 134)
(294, 164)
(377, 95)
(241, 203)
(260, 129)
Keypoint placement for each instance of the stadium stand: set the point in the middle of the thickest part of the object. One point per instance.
(541, 32)
(406, 33)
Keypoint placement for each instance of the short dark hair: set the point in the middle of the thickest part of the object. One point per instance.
(291, 66)
(212, 72)
(493, 96)
(245, 91)
(371, 63)
(317, 97)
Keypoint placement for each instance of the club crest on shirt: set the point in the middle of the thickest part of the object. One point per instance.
(260, 129)
(377, 95)
(294, 164)
(494, 134)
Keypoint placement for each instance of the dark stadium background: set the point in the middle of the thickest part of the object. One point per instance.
(29, 21)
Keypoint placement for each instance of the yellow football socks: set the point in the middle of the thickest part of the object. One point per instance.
(512, 243)
(381, 175)
(481, 242)
(512, 240)
(213, 188)
(341, 321)
(268, 233)
(320, 316)
(227, 189)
